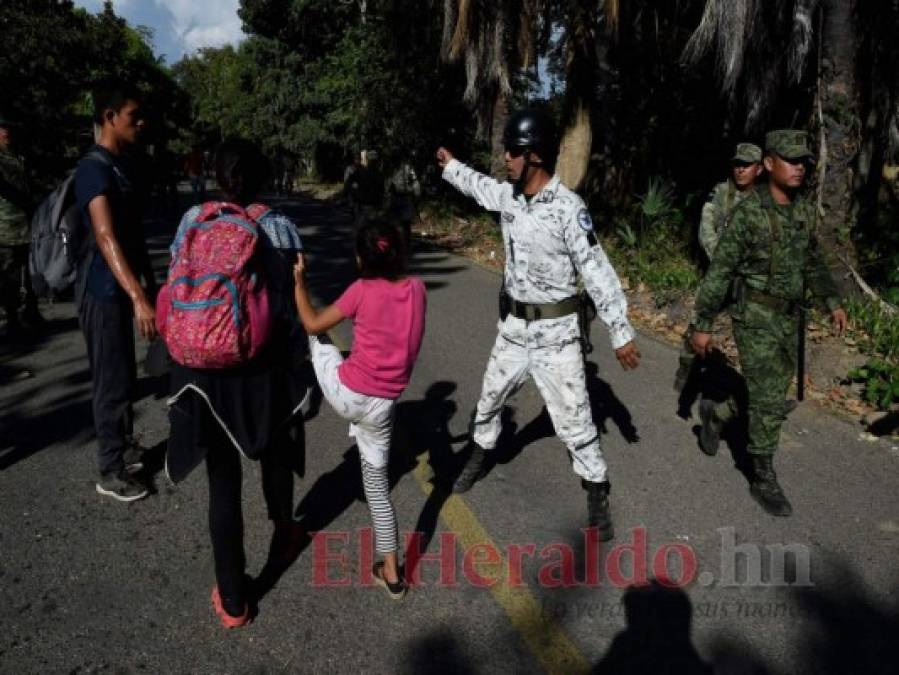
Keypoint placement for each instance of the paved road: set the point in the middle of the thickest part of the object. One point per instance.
(90, 585)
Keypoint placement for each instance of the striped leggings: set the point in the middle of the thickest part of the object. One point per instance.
(371, 424)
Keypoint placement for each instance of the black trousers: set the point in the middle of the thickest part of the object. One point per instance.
(223, 468)
(109, 333)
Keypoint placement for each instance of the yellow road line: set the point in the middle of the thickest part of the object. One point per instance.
(547, 642)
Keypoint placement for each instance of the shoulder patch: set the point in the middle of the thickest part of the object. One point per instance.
(584, 220)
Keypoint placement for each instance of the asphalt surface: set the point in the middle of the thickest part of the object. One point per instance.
(90, 585)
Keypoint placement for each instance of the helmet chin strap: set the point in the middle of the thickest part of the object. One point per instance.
(523, 177)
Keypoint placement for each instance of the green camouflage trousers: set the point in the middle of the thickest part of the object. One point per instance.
(767, 342)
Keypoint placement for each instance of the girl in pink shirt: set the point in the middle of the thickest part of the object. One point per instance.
(387, 309)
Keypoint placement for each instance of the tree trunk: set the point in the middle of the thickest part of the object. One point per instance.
(580, 77)
(574, 151)
(498, 126)
(842, 135)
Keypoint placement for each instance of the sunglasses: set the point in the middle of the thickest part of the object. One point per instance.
(515, 151)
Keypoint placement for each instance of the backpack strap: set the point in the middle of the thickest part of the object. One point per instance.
(257, 211)
(212, 210)
(103, 158)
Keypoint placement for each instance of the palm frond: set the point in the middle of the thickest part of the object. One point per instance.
(462, 30)
(802, 38)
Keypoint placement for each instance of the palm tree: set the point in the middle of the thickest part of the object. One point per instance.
(494, 39)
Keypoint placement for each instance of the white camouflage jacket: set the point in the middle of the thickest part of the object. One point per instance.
(547, 244)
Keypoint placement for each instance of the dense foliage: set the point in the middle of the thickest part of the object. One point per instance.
(51, 54)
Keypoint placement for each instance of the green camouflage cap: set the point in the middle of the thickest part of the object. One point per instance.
(791, 143)
(747, 152)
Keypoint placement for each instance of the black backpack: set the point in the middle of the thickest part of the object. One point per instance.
(58, 236)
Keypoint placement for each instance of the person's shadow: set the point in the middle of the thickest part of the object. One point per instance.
(657, 638)
(425, 428)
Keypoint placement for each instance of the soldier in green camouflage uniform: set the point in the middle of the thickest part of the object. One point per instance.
(14, 206)
(746, 168)
(769, 245)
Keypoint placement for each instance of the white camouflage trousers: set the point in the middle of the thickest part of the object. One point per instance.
(549, 352)
(371, 424)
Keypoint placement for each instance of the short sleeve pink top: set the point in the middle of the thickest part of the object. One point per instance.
(388, 325)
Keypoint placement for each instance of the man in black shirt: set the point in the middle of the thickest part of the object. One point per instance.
(108, 291)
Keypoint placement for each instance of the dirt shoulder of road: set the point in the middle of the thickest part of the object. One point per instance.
(829, 359)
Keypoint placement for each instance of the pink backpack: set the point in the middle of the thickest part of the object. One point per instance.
(213, 311)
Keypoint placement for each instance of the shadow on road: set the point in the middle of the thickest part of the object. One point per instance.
(423, 426)
(437, 652)
(658, 635)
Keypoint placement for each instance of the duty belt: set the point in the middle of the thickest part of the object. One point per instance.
(551, 310)
(781, 305)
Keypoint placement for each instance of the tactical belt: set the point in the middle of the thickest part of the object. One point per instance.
(781, 305)
(551, 310)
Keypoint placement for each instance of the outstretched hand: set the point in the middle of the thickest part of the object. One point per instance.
(444, 157)
(628, 355)
(299, 269)
(701, 343)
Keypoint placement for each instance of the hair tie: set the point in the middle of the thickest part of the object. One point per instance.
(382, 244)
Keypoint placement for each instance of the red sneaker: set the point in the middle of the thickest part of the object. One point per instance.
(229, 621)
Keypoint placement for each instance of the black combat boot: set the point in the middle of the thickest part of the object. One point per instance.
(598, 513)
(473, 469)
(710, 432)
(766, 490)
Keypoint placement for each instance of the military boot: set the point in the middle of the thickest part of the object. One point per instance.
(598, 513)
(710, 432)
(473, 469)
(766, 490)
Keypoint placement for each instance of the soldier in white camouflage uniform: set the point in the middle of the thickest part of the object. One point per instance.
(549, 240)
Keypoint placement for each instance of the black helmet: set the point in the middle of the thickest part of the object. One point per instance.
(532, 129)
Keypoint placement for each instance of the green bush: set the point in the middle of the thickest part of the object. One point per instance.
(657, 253)
(881, 380)
(879, 327)
(878, 334)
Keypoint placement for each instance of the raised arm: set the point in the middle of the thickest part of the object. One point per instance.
(486, 191)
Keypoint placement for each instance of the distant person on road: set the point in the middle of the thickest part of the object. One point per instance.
(288, 177)
(195, 169)
(404, 190)
(108, 291)
(351, 181)
(388, 313)
(369, 196)
(549, 241)
(248, 411)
